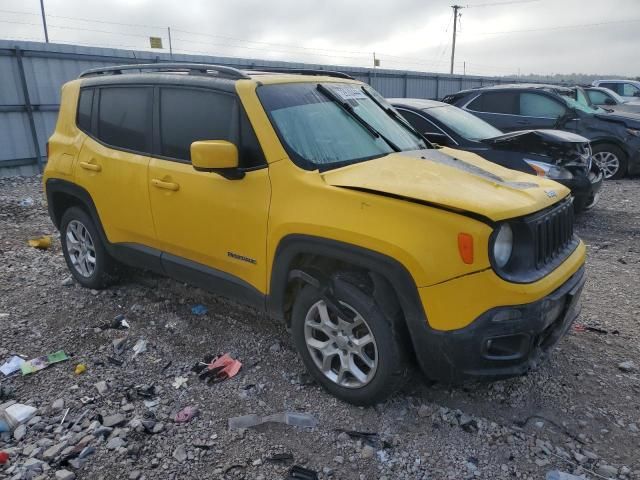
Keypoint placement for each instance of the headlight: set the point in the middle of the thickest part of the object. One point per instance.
(634, 132)
(502, 245)
(554, 172)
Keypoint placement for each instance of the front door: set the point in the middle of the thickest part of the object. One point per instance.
(207, 223)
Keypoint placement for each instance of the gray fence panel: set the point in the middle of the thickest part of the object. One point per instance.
(48, 66)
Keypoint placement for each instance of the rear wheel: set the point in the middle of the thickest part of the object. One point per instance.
(83, 250)
(354, 353)
(611, 159)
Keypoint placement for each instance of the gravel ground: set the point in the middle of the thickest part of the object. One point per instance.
(579, 413)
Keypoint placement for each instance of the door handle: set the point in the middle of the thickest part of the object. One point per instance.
(91, 166)
(156, 182)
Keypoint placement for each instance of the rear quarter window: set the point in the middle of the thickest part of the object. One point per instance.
(85, 102)
(496, 102)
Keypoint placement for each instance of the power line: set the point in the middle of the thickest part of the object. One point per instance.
(497, 4)
(560, 27)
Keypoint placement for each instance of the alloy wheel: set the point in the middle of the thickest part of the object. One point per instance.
(344, 350)
(608, 162)
(80, 248)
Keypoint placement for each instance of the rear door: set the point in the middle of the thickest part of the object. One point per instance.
(500, 109)
(112, 164)
(205, 222)
(539, 110)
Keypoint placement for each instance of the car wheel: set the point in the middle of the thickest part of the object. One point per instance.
(83, 250)
(354, 353)
(611, 159)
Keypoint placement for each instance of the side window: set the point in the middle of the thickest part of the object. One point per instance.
(616, 87)
(630, 90)
(187, 116)
(85, 103)
(124, 117)
(420, 124)
(536, 105)
(496, 102)
(597, 97)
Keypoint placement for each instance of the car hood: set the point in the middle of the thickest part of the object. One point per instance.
(525, 137)
(630, 120)
(451, 179)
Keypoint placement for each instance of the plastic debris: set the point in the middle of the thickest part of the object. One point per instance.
(15, 415)
(152, 403)
(215, 369)
(146, 391)
(80, 369)
(300, 473)
(139, 347)
(280, 457)
(12, 365)
(120, 323)
(294, 419)
(369, 438)
(199, 310)
(4, 458)
(27, 202)
(186, 414)
(557, 475)
(178, 382)
(40, 363)
(41, 243)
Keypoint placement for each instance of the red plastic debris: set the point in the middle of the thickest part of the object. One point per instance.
(186, 414)
(4, 458)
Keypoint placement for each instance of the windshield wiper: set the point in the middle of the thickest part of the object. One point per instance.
(347, 107)
(398, 118)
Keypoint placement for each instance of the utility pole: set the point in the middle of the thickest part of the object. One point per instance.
(44, 22)
(170, 47)
(455, 29)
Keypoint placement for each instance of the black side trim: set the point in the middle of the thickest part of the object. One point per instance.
(212, 280)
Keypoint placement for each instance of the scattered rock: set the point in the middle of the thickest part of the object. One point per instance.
(102, 387)
(607, 471)
(65, 475)
(20, 432)
(114, 420)
(367, 451)
(180, 454)
(628, 366)
(115, 443)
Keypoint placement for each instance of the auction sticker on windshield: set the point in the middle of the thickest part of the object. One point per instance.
(348, 92)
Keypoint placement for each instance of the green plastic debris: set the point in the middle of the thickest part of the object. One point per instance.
(39, 363)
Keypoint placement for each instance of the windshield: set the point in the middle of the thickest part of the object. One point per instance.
(463, 123)
(577, 99)
(329, 125)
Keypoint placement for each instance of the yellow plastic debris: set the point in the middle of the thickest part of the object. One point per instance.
(81, 368)
(42, 243)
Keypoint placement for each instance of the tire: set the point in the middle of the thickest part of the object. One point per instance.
(611, 159)
(370, 385)
(83, 249)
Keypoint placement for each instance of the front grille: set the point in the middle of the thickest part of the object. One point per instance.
(553, 233)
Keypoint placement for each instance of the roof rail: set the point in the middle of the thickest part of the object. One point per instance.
(191, 68)
(302, 71)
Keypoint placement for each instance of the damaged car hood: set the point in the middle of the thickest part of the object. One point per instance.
(555, 137)
(451, 179)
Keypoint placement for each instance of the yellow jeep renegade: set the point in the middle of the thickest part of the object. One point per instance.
(306, 195)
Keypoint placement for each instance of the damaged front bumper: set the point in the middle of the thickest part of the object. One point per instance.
(503, 342)
(584, 188)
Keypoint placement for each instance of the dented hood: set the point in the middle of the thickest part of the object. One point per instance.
(552, 137)
(451, 179)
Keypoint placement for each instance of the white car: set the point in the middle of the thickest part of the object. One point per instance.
(627, 89)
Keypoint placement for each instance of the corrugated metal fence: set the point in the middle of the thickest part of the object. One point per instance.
(32, 73)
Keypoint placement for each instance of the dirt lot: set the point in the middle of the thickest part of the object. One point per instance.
(580, 413)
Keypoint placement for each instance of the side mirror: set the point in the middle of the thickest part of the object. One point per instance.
(439, 138)
(217, 156)
(609, 101)
(636, 93)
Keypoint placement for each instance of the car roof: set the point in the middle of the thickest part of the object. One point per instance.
(520, 86)
(617, 80)
(219, 76)
(417, 103)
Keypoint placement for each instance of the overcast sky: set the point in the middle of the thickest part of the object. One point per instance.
(519, 36)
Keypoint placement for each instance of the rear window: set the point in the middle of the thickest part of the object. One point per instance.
(496, 102)
(84, 110)
(124, 117)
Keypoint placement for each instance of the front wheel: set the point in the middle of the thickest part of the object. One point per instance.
(354, 353)
(611, 160)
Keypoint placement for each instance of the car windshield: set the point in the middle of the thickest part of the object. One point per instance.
(578, 100)
(463, 123)
(328, 125)
(613, 94)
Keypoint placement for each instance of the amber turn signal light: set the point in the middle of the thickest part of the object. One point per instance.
(465, 247)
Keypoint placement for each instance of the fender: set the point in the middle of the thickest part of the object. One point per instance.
(612, 140)
(293, 245)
